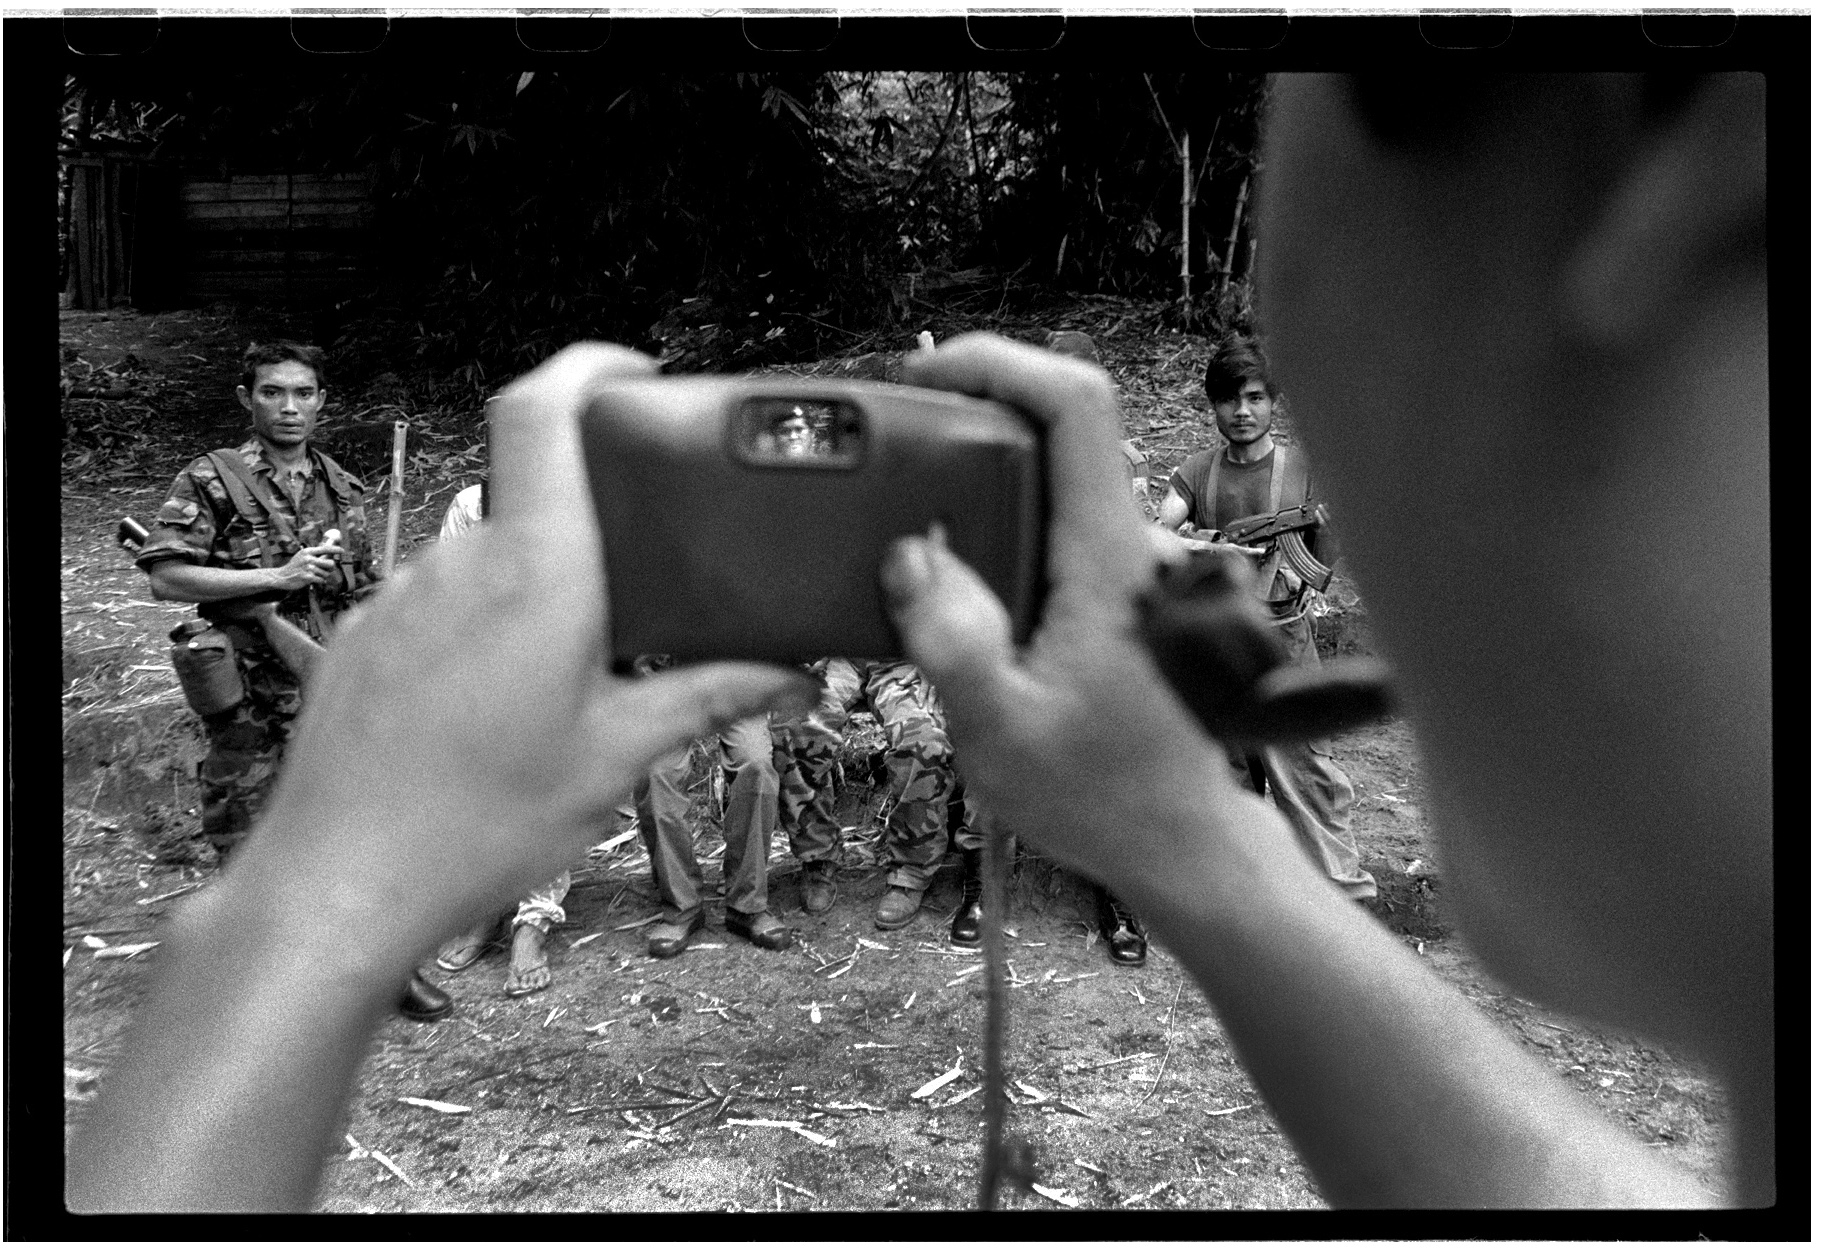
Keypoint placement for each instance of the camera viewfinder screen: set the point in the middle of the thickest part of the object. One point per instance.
(809, 433)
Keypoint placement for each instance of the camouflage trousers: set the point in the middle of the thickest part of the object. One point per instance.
(918, 757)
(246, 744)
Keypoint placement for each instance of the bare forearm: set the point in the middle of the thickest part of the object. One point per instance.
(177, 580)
(238, 1065)
(1395, 1089)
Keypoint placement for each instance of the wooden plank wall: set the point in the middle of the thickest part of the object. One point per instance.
(104, 196)
(296, 239)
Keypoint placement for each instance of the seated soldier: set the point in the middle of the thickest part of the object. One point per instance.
(746, 756)
(917, 757)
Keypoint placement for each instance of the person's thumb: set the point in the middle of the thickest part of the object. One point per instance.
(637, 721)
(951, 624)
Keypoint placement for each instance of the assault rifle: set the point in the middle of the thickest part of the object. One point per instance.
(289, 642)
(1283, 528)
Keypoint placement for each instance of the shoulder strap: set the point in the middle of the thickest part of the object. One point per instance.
(1212, 487)
(343, 485)
(1273, 566)
(245, 490)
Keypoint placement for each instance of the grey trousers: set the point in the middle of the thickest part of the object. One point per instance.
(746, 752)
(1310, 790)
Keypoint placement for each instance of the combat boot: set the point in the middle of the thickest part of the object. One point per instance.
(818, 886)
(1123, 935)
(898, 907)
(968, 922)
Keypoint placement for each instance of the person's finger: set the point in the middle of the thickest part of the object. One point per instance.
(1090, 536)
(539, 496)
(954, 628)
(637, 720)
(536, 473)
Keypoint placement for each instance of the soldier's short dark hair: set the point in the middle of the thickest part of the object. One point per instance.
(275, 351)
(1237, 361)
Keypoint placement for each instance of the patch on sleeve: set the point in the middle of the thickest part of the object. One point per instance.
(178, 512)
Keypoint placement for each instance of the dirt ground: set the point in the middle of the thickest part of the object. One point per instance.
(728, 1078)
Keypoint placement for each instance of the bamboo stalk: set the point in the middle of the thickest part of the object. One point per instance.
(1186, 233)
(1237, 216)
(396, 497)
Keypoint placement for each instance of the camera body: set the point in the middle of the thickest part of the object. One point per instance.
(748, 518)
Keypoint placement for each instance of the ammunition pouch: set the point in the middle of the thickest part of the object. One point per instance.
(204, 657)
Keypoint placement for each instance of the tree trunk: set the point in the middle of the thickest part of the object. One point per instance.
(973, 162)
(1237, 216)
(1186, 233)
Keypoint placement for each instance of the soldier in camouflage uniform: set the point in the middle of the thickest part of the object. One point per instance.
(918, 757)
(256, 523)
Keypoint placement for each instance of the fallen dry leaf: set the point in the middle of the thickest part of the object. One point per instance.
(798, 1128)
(581, 942)
(442, 1107)
(127, 950)
(1058, 1195)
(933, 1085)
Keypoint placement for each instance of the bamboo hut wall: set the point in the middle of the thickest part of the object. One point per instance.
(291, 238)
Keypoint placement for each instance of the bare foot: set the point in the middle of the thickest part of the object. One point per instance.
(463, 952)
(528, 970)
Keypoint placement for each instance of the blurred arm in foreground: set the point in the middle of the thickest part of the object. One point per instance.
(1504, 322)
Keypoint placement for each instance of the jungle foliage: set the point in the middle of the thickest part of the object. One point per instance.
(727, 219)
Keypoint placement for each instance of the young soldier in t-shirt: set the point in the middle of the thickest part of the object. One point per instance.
(1249, 473)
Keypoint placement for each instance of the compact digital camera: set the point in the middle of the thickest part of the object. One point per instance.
(748, 518)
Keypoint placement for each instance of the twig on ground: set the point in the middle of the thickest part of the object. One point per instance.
(1167, 1048)
(686, 1112)
(1116, 1061)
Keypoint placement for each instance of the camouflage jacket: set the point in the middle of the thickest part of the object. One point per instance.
(200, 524)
